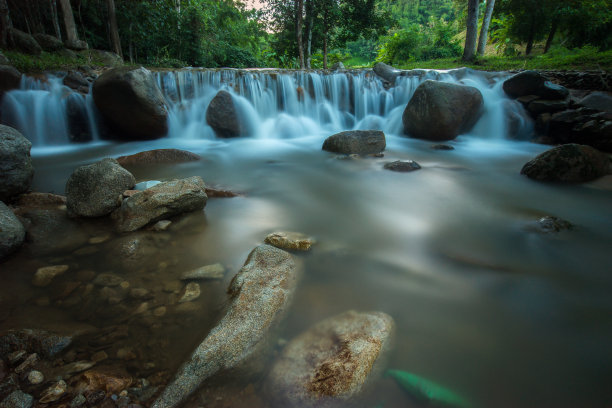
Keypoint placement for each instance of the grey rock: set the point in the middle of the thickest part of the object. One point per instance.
(261, 293)
(328, 365)
(15, 163)
(34, 341)
(533, 83)
(158, 156)
(442, 111)
(24, 42)
(600, 101)
(160, 202)
(10, 78)
(386, 72)
(17, 399)
(356, 142)
(48, 42)
(442, 147)
(402, 166)
(583, 126)
(94, 190)
(550, 224)
(107, 279)
(547, 106)
(192, 292)
(221, 115)
(568, 163)
(35, 377)
(131, 102)
(12, 232)
(44, 276)
(214, 271)
(76, 81)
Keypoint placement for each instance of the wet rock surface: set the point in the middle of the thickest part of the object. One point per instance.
(94, 190)
(261, 294)
(42, 342)
(533, 83)
(131, 102)
(360, 142)
(15, 163)
(221, 115)
(295, 241)
(161, 201)
(17, 399)
(158, 156)
(568, 163)
(550, 224)
(442, 111)
(214, 271)
(10, 78)
(400, 166)
(12, 232)
(329, 364)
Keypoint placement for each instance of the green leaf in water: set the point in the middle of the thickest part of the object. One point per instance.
(427, 390)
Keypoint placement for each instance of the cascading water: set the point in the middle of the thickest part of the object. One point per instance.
(273, 105)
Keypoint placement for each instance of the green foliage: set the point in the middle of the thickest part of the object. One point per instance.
(48, 61)
(427, 390)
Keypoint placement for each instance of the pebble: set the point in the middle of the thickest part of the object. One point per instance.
(27, 363)
(78, 401)
(17, 399)
(77, 367)
(192, 292)
(172, 286)
(16, 356)
(99, 356)
(35, 377)
(107, 279)
(143, 307)
(214, 271)
(402, 166)
(125, 285)
(99, 239)
(290, 240)
(187, 308)
(85, 275)
(44, 276)
(160, 311)
(139, 293)
(53, 393)
(162, 225)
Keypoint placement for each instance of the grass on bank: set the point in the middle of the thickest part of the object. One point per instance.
(48, 61)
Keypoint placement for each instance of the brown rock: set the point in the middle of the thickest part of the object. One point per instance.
(158, 156)
(290, 240)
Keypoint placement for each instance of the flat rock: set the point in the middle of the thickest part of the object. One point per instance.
(12, 232)
(356, 142)
(44, 276)
(94, 190)
(158, 156)
(329, 364)
(261, 293)
(15, 163)
(568, 163)
(402, 166)
(295, 241)
(214, 271)
(160, 202)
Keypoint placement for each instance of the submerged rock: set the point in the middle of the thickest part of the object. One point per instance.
(15, 163)
(160, 202)
(158, 156)
(17, 399)
(132, 103)
(34, 341)
(221, 115)
(329, 364)
(550, 224)
(533, 83)
(12, 232)
(261, 293)
(94, 190)
(44, 276)
(356, 142)
(54, 392)
(402, 166)
(568, 163)
(290, 240)
(442, 111)
(214, 271)
(192, 292)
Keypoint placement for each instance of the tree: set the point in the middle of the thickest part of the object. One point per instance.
(484, 30)
(114, 30)
(72, 37)
(472, 31)
(5, 25)
(55, 19)
(299, 19)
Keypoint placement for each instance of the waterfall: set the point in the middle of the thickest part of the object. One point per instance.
(272, 104)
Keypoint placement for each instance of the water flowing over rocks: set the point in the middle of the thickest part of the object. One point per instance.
(24, 42)
(221, 115)
(329, 364)
(15, 163)
(569, 163)
(360, 142)
(161, 201)
(12, 232)
(10, 79)
(533, 83)
(442, 111)
(94, 190)
(158, 156)
(132, 103)
(261, 294)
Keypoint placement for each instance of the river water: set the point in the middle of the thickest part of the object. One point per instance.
(483, 302)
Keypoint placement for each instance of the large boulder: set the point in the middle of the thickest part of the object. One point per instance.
(356, 142)
(15, 163)
(48, 42)
(329, 364)
(10, 79)
(533, 83)
(12, 233)
(568, 163)
(386, 72)
(442, 111)
(261, 293)
(24, 42)
(601, 101)
(160, 202)
(94, 190)
(222, 116)
(131, 102)
(158, 156)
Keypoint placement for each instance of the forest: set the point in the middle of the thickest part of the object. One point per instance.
(319, 33)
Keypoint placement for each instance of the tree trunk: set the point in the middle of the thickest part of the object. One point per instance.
(131, 46)
(55, 19)
(530, 39)
(5, 24)
(472, 31)
(551, 34)
(299, 11)
(309, 25)
(484, 30)
(114, 30)
(325, 50)
(71, 32)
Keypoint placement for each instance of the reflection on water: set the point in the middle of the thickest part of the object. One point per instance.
(507, 316)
